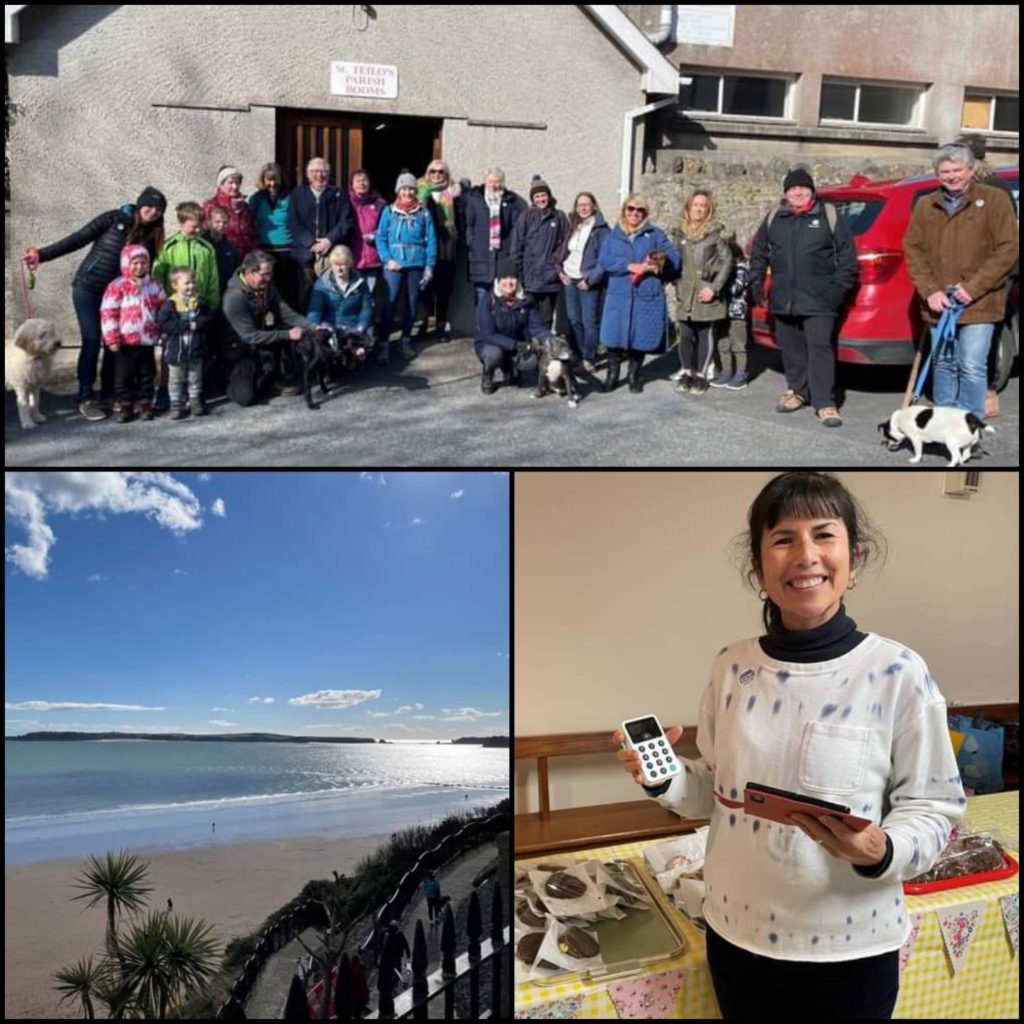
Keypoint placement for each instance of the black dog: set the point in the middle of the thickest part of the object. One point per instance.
(555, 368)
(327, 352)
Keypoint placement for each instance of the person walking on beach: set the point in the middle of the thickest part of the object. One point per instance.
(170, 905)
(432, 894)
(214, 829)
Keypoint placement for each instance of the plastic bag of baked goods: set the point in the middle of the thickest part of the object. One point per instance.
(969, 853)
(569, 893)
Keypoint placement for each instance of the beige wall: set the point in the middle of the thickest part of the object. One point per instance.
(625, 588)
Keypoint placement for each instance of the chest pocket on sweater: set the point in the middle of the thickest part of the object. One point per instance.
(833, 758)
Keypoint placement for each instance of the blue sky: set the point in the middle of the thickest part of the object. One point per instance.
(302, 603)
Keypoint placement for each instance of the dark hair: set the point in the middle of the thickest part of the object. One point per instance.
(806, 496)
(574, 217)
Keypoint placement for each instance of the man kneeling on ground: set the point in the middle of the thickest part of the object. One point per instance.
(261, 328)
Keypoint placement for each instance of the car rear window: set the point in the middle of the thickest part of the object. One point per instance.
(859, 214)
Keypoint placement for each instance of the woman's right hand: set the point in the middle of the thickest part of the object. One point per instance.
(30, 257)
(630, 759)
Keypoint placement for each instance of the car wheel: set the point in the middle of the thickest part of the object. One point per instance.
(1006, 342)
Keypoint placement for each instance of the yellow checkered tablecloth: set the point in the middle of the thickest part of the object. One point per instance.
(985, 987)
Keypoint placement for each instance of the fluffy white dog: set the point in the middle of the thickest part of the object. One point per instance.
(28, 362)
(958, 430)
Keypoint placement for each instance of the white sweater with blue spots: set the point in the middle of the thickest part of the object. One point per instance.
(867, 730)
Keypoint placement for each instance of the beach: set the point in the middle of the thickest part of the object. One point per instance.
(233, 886)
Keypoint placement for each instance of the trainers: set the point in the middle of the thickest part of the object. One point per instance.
(179, 413)
(720, 382)
(735, 383)
(92, 410)
(830, 417)
(699, 385)
(685, 385)
(408, 352)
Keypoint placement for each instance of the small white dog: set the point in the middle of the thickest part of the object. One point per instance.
(28, 362)
(958, 430)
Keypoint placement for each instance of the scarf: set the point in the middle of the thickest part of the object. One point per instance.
(407, 205)
(493, 201)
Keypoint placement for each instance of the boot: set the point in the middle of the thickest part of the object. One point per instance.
(487, 382)
(123, 412)
(611, 381)
(635, 383)
(144, 410)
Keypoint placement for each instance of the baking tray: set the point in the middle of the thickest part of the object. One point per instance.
(641, 939)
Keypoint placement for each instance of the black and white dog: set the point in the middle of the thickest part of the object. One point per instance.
(958, 430)
(327, 352)
(555, 368)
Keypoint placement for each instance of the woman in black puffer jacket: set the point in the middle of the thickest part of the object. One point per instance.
(138, 224)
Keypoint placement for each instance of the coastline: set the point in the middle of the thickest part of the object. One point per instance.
(233, 886)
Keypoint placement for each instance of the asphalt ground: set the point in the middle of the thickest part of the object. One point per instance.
(431, 412)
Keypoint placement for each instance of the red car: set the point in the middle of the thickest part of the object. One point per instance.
(881, 321)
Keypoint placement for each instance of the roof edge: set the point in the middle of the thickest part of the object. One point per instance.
(660, 75)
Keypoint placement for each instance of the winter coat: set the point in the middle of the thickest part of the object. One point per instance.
(498, 323)
(706, 263)
(537, 237)
(227, 260)
(366, 211)
(329, 217)
(351, 308)
(129, 310)
(256, 318)
(813, 267)
(634, 315)
(975, 247)
(107, 233)
(241, 228)
(407, 238)
(590, 267)
(196, 253)
(482, 260)
(180, 343)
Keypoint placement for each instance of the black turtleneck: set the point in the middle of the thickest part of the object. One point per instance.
(835, 638)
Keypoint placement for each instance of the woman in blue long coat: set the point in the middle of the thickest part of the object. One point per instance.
(637, 257)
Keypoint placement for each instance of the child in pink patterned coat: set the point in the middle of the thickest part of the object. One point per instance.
(128, 321)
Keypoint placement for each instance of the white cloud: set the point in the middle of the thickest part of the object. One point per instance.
(334, 727)
(379, 714)
(29, 498)
(417, 522)
(46, 705)
(397, 725)
(458, 494)
(334, 698)
(218, 509)
(220, 721)
(204, 478)
(467, 714)
(222, 709)
(97, 577)
(261, 700)
(369, 478)
(408, 707)
(180, 572)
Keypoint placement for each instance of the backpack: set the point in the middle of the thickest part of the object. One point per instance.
(831, 215)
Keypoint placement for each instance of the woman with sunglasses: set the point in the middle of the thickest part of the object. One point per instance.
(637, 257)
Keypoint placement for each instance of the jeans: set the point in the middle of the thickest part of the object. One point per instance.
(397, 281)
(87, 309)
(583, 311)
(961, 368)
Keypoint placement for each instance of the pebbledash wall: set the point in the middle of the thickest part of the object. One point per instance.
(111, 98)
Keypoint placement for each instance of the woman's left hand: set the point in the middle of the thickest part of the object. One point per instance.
(865, 848)
(705, 295)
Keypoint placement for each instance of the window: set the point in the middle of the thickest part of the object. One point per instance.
(736, 95)
(871, 104)
(990, 113)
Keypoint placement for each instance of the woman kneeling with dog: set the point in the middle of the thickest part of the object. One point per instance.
(506, 320)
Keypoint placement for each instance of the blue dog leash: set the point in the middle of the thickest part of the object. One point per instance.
(946, 336)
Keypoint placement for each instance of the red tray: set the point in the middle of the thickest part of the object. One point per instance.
(916, 889)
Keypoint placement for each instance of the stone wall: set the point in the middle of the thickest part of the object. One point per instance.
(745, 188)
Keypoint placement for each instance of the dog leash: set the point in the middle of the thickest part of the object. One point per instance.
(25, 290)
(945, 335)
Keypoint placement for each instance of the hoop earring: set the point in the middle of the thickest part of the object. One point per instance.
(762, 594)
(852, 585)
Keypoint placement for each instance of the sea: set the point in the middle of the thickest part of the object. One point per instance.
(74, 798)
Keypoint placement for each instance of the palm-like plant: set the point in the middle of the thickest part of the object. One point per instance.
(118, 880)
(80, 981)
(164, 957)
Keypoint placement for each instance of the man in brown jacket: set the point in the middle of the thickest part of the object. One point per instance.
(964, 236)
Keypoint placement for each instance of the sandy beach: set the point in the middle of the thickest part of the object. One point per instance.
(233, 887)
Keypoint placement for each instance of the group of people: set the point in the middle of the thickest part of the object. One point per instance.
(245, 278)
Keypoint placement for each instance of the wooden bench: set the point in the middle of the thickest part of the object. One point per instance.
(575, 828)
